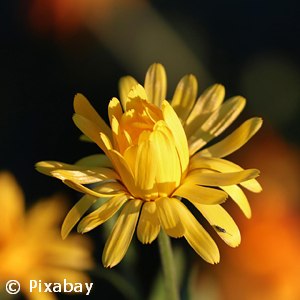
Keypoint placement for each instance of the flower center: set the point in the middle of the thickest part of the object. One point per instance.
(150, 153)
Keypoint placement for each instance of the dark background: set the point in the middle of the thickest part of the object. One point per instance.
(252, 47)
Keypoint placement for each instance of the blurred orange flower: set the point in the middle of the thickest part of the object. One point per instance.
(67, 16)
(266, 265)
(31, 246)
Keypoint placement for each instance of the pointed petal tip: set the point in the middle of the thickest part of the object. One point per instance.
(77, 95)
(79, 98)
(248, 215)
(108, 265)
(213, 257)
(82, 229)
(108, 262)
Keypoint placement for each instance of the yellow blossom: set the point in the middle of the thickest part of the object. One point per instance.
(154, 157)
(31, 247)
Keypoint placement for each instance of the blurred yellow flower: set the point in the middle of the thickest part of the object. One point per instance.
(152, 161)
(31, 247)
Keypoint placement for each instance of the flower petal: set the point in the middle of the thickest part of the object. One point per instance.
(102, 214)
(95, 160)
(146, 170)
(156, 84)
(178, 133)
(121, 235)
(121, 140)
(216, 123)
(75, 213)
(200, 194)
(208, 102)
(198, 238)
(83, 108)
(235, 140)
(91, 130)
(82, 189)
(222, 165)
(238, 196)
(222, 223)
(137, 93)
(218, 179)
(168, 171)
(79, 174)
(11, 206)
(124, 171)
(168, 210)
(185, 96)
(252, 185)
(114, 109)
(149, 225)
(126, 83)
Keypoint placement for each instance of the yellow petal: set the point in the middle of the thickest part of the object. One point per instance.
(252, 185)
(222, 165)
(178, 133)
(130, 155)
(91, 130)
(148, 226)
(222, 223)
(146, 169)
(102, 214)
(95, 160)
(83, 107)
(200, 194)
(86, 139)
(79, 174)
(126, 83)
(168, 210)
(218, 179)
(114, 109)
(70, 253)
(121, 235)
(110, 188)
(156, 84)
(11, 205)
(216, 123)
(198, 238)
(121, 139)
(137, 93)
(75, 213)
(45, 215)
(207, 103)
(36, 295)
(82, 189)
(124, 171)
(185, 96)
(164, 159)
(235, 140)
(238, 196)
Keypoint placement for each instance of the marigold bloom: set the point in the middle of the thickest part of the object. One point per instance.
(31, 246)
(152, 161)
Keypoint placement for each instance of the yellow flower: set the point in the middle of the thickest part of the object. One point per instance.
(152, 162)
(31, 247)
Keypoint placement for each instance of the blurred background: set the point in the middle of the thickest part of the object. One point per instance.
(52, 49)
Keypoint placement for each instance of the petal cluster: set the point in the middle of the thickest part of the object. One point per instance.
(30, 243)
(155, 158)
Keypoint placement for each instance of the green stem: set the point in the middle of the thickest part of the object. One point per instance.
(168, 265)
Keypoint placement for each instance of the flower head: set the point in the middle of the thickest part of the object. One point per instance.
(31, 246)
(154, 158)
